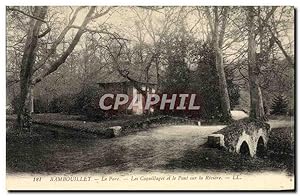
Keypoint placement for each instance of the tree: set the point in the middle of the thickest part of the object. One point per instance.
(256, 101)
(28, 60)
(279, 27)
(157, 31)
(217, 41)
(177, 72)
(206, 81)
(275, 73)
(233, 89)
(43, 63)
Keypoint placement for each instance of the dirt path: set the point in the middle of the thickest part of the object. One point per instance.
(144, 150)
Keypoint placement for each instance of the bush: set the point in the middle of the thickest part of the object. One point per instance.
(15, 104)
(207, 82)
(62, 104)
(40, 106)
(280, 105)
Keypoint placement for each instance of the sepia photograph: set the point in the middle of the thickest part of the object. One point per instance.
(144, 98)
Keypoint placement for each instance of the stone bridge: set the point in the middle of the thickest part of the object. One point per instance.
(245, 137)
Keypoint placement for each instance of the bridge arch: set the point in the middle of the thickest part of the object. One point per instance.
(244, 144)
(260, 147)
(244, 149)
(245, 136)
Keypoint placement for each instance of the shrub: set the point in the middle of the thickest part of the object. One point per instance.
(279, 105)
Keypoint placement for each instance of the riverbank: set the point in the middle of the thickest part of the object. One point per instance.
(73, 125)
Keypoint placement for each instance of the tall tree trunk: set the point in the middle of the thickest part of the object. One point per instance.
(28, 60)
(225, 101)
(256, 101)
(217, 43)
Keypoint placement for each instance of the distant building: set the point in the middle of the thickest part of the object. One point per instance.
(114, 83)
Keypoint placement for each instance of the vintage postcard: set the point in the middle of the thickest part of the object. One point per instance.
(150, 98)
